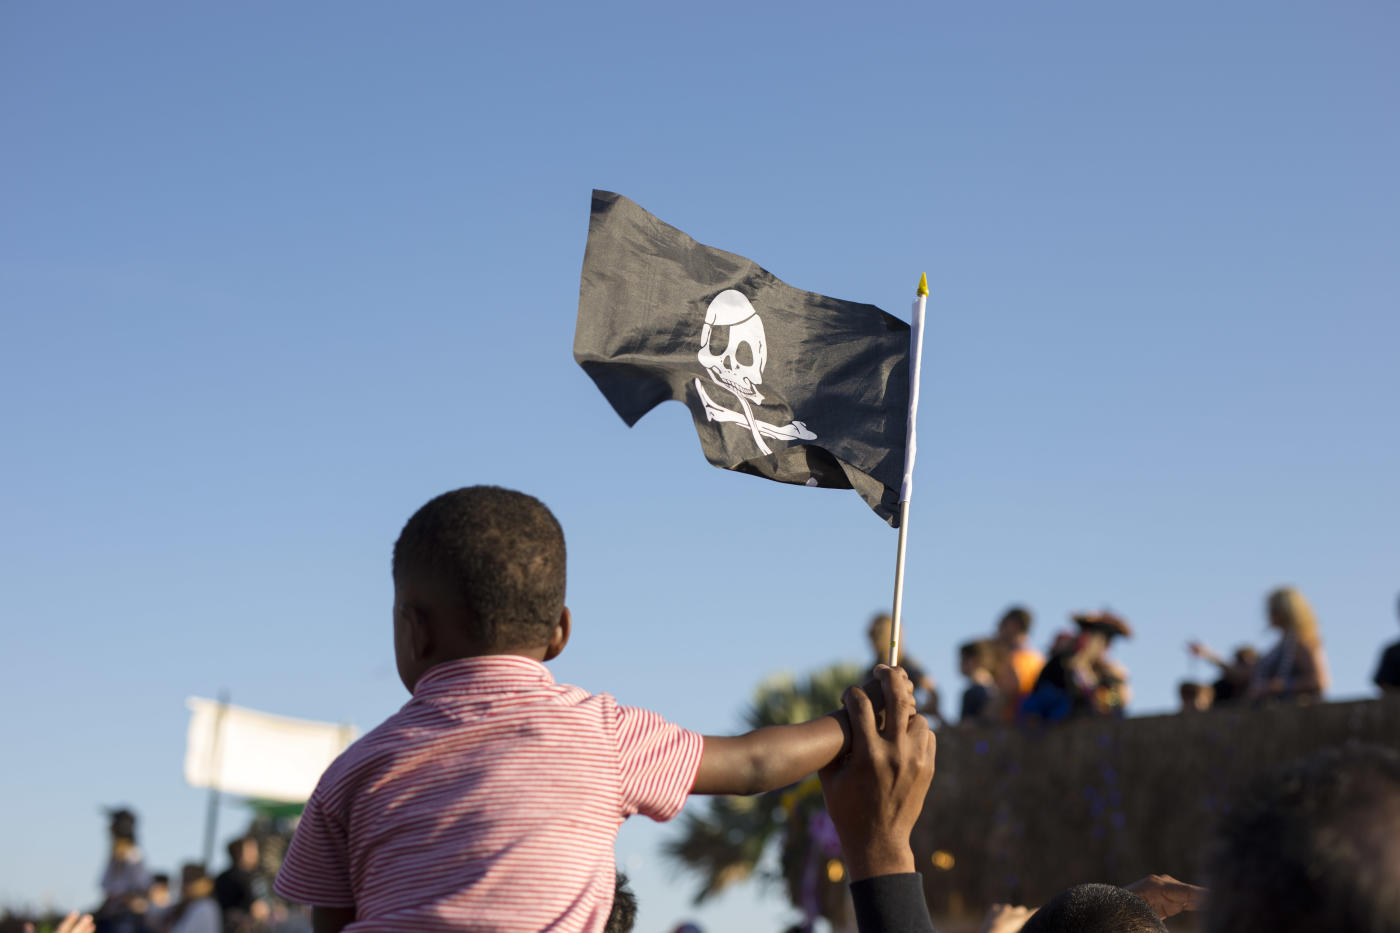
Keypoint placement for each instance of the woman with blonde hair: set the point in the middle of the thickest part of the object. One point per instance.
(1296, 668)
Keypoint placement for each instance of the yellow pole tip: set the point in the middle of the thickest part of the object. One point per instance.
(923, 284)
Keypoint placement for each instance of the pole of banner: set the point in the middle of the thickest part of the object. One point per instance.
(906, 488)
(216, 763)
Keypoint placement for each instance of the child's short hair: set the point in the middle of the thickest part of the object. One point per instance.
(500, 551)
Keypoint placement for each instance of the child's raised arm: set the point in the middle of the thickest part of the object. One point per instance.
(776, 756)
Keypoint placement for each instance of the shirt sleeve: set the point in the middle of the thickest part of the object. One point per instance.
(891, 904)
(1388, 672)
(657, 761)
(316, 870)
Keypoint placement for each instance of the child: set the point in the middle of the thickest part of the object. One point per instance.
(491, 800)
(979, 700)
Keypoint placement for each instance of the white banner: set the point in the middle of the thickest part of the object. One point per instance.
(252, 754)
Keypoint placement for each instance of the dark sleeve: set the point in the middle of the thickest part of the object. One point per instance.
(891, 904)
(1388, 674)
(974, 702)
(1053, 674)
(233, 892)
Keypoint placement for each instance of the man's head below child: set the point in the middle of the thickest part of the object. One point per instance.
(478, 571)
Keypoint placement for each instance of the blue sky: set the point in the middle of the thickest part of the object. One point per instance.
(273, 275)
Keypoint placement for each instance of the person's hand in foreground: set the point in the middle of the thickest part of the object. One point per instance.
(875, 794)
(73, 923)
(1006, 918)
(1166, 896)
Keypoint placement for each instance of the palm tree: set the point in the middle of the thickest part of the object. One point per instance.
(725, 842)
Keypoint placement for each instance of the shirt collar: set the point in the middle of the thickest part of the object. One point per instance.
(494, 673)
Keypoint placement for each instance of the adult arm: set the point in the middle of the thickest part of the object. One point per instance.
(874, 796)
(1202, 651)
(891, 904)
(1166, 896)
(331, 919)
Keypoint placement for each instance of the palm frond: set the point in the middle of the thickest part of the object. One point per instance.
(725, 842)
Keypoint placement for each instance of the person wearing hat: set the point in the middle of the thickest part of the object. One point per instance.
(1079, 679)
(125, 879)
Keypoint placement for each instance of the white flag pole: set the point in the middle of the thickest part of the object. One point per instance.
(906, 487)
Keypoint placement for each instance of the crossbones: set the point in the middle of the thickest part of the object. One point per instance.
(793, 431)
(739, 368)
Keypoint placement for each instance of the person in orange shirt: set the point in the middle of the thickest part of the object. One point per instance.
(1019, 664)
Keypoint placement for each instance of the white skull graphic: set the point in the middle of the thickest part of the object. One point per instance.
(738, 366)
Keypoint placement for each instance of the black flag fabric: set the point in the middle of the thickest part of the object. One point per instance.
(786, 384)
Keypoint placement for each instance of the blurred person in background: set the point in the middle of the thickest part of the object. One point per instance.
(1388, 671)
(1235, 675)
(981, 698)
(1311, 846)
(236, 888)
(1018, 665)
(1195, 698)
(125, 879)
(1295, 668)
(1080, 679)
(158, 902)
(925, 690)
(197, 911)
(1114, 691)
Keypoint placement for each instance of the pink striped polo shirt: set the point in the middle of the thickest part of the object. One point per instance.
(489, 802)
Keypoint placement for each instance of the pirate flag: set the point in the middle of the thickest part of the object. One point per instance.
(782, 383)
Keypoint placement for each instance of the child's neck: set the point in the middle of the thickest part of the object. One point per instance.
(536, 653)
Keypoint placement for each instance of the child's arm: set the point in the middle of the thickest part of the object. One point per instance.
(331, 919)
(776, 756)
(769, 758)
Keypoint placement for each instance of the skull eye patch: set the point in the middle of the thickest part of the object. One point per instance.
(719, 338)
(734, 352)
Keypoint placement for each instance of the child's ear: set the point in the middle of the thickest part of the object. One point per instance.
(560, 638)
(418, 632)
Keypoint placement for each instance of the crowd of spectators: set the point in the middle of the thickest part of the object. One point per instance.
(416, 827)
(1307, 847)
(1294, 669)
(1009, 681)
(136, 900)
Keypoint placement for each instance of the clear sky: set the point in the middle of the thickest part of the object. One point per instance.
(272, 275)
